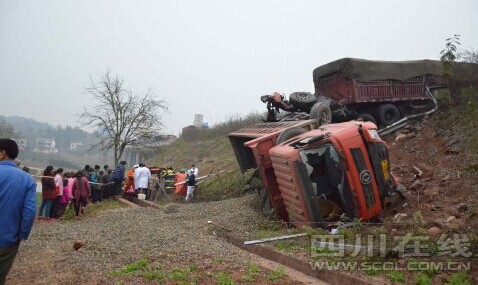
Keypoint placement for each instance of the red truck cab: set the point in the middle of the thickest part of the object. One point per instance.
(345, 165)
(315, 175)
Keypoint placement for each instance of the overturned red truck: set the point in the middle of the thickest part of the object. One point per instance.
(313, 175)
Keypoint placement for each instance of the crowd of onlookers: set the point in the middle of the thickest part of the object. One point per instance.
(61, 189)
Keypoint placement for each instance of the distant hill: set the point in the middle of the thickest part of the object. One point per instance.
(32, 129)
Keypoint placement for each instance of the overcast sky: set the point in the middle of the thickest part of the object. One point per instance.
(209, 57)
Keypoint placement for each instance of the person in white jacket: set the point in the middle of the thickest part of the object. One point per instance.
(141, 179)
(194, 170)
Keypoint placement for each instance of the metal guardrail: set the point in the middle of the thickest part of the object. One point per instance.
(403, 122)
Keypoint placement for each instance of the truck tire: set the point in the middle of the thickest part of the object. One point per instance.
(367, 118)
(302, 100)
(289, 133)
(322, 113)
(388, 114)
(267, 210)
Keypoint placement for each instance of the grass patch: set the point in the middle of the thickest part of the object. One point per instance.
(396, 276)
(277, 274)
(223, 186)
(224, 278)
(422, 279)
(155, 275)
(317, 253)
(131, 268)
(459, 278)
(92, 210)
(286, 246)
(251, 272)
(373, 271)
(179, 274)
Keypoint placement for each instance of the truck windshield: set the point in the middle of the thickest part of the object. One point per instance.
(327, 178)
(325, 172)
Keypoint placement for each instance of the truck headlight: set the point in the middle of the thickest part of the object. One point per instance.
(374, 134)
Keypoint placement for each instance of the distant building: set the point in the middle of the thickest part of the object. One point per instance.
(45, 145)
(146, 149)
(198, 120)
(188, 131)
(22, 143)
(76, 145)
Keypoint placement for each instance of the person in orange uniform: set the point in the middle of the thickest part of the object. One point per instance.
(130, 181)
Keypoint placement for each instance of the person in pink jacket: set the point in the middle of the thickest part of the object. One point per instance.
(81, 192)
(65, 198)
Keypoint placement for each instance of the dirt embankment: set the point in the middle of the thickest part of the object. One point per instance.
(440, 176)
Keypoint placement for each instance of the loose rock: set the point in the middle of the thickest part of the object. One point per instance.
(400, 137)
(450, 219)
(463, 207)
(78, 244)
(434, 231)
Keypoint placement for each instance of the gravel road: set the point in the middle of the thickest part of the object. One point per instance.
(114, 238)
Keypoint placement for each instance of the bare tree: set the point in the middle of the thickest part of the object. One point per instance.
(470, 56)
(120, 118)
(6, 130)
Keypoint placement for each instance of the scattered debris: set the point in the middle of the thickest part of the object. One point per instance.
(398, 217)
(78, 244)
(274, 238)
(419, 172)
(446, 177)
(416, 185)
(450, 219)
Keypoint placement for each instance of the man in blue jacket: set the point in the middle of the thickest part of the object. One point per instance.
(118, 177)
(17, 206)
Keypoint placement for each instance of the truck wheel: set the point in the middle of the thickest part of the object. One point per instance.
(321, 113)
(267, 210)
(388, 114)
(302, 100)
(255, 182)
(367, 118)
(289, 133)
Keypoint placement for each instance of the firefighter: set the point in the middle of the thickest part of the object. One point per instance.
(169, 180)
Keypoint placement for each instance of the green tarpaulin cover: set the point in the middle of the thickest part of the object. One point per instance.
(368, 70)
